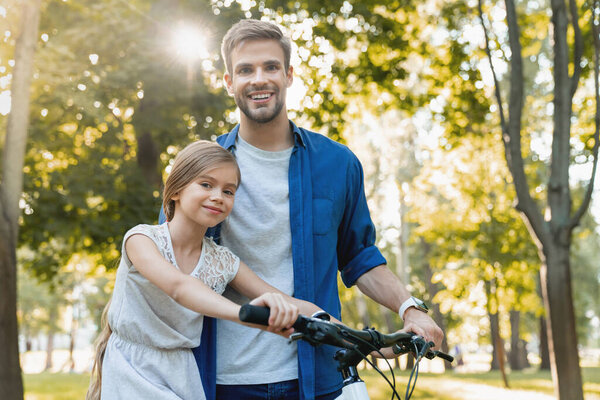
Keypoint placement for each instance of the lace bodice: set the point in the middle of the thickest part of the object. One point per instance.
(216, 267)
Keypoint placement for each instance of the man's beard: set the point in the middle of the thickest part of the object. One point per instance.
(258, 115)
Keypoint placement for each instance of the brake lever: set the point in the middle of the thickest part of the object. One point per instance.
(301, 336)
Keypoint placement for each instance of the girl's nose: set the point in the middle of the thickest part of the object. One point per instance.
(216, 195)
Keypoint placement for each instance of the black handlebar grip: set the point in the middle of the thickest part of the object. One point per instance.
(445, 356)
(254, 314)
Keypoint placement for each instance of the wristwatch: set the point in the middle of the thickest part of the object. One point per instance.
(412, 302)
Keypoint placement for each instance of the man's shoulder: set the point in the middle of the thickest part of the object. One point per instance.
(318, 142)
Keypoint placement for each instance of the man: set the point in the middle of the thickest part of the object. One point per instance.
(300, 215)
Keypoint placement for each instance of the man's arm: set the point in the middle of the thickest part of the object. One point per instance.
(383, 286)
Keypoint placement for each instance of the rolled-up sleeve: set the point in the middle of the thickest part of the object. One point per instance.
(356, 248)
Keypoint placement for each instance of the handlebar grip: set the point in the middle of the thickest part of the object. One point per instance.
(445, 356)
(254, 314)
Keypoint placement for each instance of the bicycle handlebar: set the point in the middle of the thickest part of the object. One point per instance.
(318, 331)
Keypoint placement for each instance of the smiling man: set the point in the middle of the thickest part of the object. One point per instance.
(300, 216)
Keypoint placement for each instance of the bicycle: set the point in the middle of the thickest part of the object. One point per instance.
(355, 346)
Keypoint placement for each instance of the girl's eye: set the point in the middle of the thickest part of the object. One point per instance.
(205, 184)
(229, 192)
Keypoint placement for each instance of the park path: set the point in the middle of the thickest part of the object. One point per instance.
(478, 391)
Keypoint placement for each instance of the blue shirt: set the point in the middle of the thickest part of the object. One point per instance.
(331, 231)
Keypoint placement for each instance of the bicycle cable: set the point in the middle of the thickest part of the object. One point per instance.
(415, 372)
(392, 384)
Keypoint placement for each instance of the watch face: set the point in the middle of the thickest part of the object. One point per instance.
(421, 303)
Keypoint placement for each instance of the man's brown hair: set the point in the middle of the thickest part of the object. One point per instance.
(253, 29)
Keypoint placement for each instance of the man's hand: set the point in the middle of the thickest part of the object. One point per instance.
(420, 323)
(383, 286)
(417, 322)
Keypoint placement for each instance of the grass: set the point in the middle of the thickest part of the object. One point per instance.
(50, 386)
(436, 386)
(430, 386)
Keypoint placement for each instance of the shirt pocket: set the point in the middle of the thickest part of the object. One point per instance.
(322, 216)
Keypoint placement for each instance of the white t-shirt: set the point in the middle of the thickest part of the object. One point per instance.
(258, 231)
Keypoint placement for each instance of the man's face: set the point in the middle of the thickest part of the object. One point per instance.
(258, 79)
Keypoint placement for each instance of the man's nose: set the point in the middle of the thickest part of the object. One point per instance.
(259, 76)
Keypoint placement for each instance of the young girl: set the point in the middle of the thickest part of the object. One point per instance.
(170, 275)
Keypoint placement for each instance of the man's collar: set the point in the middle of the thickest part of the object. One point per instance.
(231, 138)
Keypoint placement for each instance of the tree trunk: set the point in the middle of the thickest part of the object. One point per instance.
(391, 325)
(436, 314)
(544, 352)
(562, 336)
(49, 350)
(402, 266)
(363, 312)
(517, 348)
(72, 335)
(11, 187)
(147, 158)
(552, 229)
(523, 361)
(361, 307)
(11, 385)
(495, 339)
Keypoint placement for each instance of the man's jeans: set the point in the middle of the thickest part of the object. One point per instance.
(286, 390)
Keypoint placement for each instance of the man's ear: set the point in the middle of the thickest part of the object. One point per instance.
(228, 83)
(290, 76)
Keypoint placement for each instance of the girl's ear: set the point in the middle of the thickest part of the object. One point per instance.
(175, 196)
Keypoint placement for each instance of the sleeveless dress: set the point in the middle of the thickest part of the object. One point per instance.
(149, 354)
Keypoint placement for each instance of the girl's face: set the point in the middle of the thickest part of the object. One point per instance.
(208, 199)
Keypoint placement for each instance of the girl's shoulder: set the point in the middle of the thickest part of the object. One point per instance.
(159, 234)
(152, 231)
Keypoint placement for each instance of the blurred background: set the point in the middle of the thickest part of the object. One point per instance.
(119, 86)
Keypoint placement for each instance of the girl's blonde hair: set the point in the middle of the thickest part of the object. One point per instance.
(93, 392)
(191, 162)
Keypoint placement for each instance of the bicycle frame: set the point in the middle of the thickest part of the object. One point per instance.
(354, 387)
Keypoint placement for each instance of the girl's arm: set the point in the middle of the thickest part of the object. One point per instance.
(247, 283)
(194, 294)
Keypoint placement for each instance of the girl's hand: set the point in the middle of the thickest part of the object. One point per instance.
(282, 316)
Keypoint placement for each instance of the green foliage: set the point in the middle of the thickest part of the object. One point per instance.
(586, 278)
(38, 306)
(462, 209)
(108, 76)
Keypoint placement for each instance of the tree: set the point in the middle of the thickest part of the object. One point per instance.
(11, 386)
(476, 247)
(552, 229)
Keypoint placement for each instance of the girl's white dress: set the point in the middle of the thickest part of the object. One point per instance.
(149, 354)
